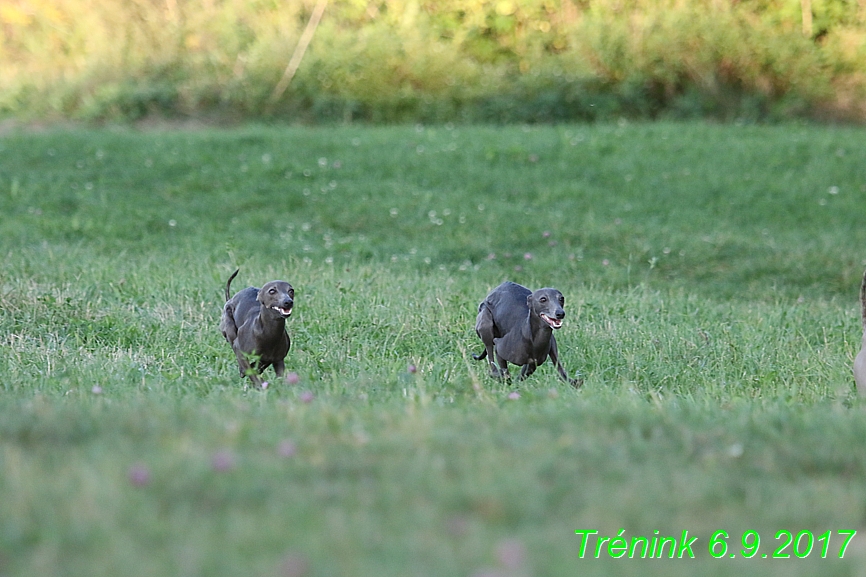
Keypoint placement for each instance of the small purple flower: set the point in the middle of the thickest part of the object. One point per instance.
(287, 449)
(513, 395)
(96, 390)
(511, 553)
(294, 565)
(458, 525)
(412, 369)
(489, 572)
(545, 234)
(307, 397)
(223, 461)
(265, 385)
(293, 378)
(527, 256)
(139, 475)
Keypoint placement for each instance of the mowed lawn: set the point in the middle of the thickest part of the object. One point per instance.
(711, 276)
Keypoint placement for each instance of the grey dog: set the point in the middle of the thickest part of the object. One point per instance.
(254, 324)
(517, 325)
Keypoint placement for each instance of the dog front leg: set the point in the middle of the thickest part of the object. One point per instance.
(527, 369)
(246, 368)
(279, 367)
(501, 371)
(554, 357)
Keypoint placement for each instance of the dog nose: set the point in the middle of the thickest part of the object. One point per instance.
(287, 304)
(560, 314)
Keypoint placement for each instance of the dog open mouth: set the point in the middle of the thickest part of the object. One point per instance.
(554, 323)
(285, 312)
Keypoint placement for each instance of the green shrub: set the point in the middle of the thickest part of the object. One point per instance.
(407, 60)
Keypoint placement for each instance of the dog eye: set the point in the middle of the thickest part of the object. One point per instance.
(272, 291)
(543, 299)
(562, 302)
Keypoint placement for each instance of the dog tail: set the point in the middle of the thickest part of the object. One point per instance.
(863, 301)
(229, 284)
(480, 357)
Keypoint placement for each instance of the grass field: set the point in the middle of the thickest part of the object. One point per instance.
(710, 274)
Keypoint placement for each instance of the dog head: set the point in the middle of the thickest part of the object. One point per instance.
(277, 296)
(548, 304)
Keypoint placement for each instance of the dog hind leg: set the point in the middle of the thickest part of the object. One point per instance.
(486, 329)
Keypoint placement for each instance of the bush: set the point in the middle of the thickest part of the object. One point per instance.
(405, 60)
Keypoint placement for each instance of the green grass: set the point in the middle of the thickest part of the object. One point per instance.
(710, 275)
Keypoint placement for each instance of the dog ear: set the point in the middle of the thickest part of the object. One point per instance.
(260, 295)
